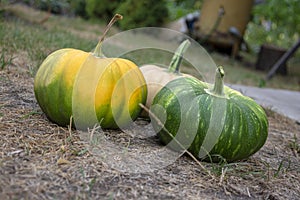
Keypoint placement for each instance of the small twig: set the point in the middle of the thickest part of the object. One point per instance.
(248, 192)
(224, 170)
(14, 152)
(92, 132)
(181, 146)
(70, 126)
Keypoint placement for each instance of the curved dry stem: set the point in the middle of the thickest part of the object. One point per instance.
(97, 51)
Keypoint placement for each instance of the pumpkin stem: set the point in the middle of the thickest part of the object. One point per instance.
(177, 58)
(218, 88)
(97, 51)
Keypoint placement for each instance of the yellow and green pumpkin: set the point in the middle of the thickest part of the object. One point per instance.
(89, 87)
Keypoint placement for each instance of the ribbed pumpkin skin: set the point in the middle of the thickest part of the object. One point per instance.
(156, 78)
(55, 92)
(245, 127)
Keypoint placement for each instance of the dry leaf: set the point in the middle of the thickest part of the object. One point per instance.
(62, 161)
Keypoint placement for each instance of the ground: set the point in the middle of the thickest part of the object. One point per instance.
(40, 160)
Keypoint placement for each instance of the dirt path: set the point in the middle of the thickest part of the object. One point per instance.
(39, 160)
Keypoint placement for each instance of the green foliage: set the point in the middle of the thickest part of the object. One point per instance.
(142, 13)
(66, 7)
(180, 8)
(78, 8)
(280, 12)
(104, 9)
(57, 7)
(16, 36)
(5, 60)
(284, 20)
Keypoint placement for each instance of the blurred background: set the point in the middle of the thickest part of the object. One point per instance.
(270, 21)
(253, 34)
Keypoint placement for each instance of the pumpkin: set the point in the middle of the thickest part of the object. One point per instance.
(212, 121)
(89, 87)
(156, 77)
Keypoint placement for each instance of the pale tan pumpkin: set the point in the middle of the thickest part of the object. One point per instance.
(157, 77)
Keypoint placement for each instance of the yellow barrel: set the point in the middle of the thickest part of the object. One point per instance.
(218, 16)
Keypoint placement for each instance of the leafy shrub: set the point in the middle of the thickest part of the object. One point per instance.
(276, 22)
(56, 7)
(104, 9)
(142, 13)
(180, 8)
(78, 8)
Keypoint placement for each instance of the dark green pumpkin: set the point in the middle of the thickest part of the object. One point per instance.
(212, 121)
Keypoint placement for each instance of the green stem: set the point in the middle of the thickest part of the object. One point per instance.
(97, 52)
(177, 58)
(218, 88)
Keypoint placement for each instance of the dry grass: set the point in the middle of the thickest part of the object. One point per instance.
(40, 160)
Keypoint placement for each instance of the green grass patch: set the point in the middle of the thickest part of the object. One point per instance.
(38, 41)
(5, 59)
